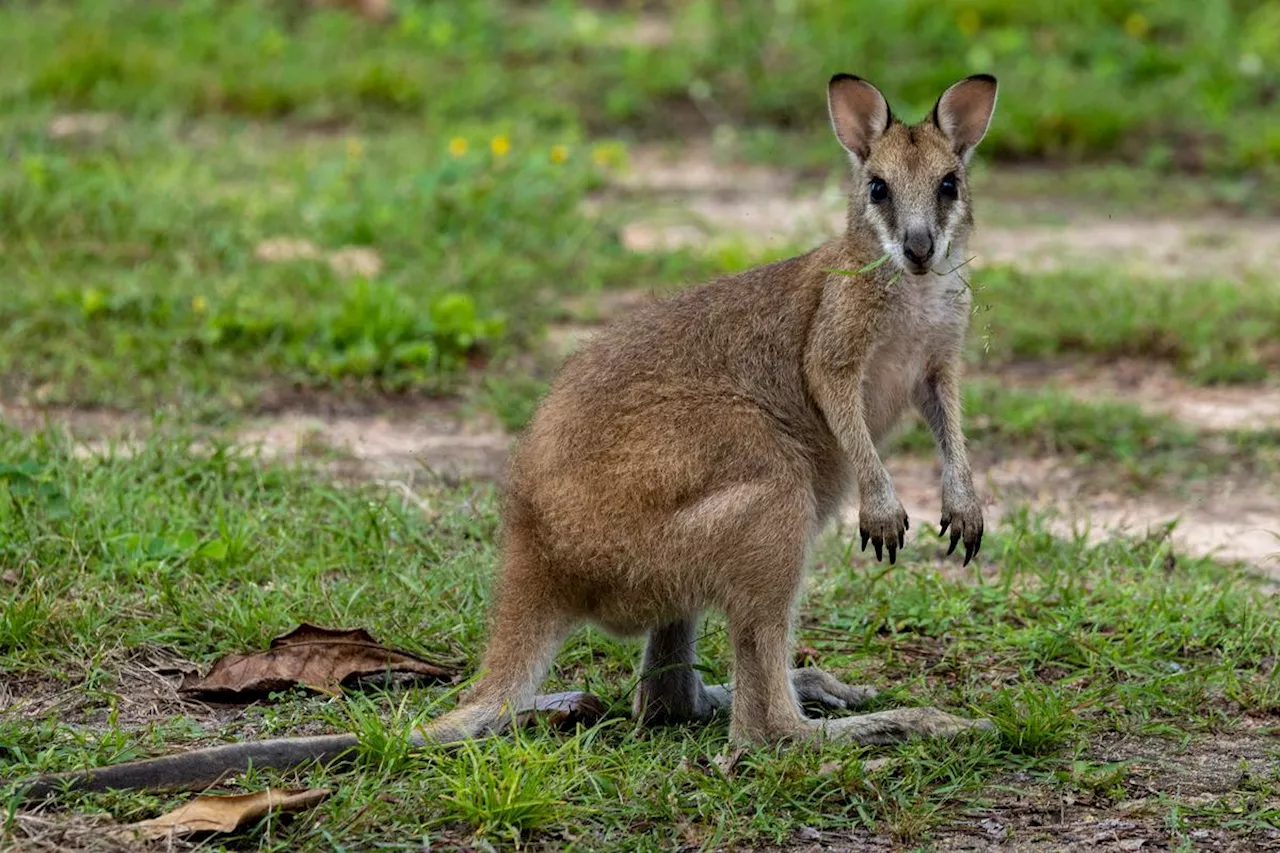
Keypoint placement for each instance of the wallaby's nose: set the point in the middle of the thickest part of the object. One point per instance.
(918, 247)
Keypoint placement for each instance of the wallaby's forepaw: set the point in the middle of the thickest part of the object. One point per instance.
(885, 526)
(817, 686)
(965, 520)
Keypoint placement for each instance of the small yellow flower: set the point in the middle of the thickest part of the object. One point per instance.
(601, 156)
(559, 153)
(1136, 25)
(500, 146)
(199, 304)
(458, 146)
(969, 22)
(355, 149)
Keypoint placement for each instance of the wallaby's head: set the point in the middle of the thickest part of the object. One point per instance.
(910, 182)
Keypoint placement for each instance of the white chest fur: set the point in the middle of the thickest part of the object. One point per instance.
(931, 313)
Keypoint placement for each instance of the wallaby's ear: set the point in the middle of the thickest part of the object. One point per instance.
(964, 111)
(859, 113)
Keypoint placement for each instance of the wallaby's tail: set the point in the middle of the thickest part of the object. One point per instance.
(191, 771)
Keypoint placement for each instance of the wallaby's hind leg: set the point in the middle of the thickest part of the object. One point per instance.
(765, 708)
(670, 689)
(899, 724)
(525, 636)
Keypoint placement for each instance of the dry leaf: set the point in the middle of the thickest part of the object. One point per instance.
(807, 656)
(727, 762)
(565, 710)
(309, 656)
(10, 576)
(226, 814)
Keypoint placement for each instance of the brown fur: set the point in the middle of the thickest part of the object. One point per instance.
(686, 458)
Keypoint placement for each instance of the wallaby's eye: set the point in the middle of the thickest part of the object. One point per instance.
(879, 190)
(947, 189)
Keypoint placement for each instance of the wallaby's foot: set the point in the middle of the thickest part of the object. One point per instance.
(654, 706)
(818, 687)
(899, 724)
(812, 685)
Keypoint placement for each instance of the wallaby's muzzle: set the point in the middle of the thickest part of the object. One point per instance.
(917, 248)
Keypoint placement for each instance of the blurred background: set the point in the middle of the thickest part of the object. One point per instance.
(209, 201)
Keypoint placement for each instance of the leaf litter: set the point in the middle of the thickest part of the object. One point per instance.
(309, 656)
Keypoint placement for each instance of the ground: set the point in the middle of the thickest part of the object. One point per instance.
(272, 333)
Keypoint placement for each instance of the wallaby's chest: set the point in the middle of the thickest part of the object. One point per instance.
(927, 325)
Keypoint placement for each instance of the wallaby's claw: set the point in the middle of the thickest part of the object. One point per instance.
(965, 524)
(884, 535)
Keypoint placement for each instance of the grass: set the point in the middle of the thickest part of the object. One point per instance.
(192, 555)
(1168, 85)
(216, 267)
(1214, 331)
(247, 220)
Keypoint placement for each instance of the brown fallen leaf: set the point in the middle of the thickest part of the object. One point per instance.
(807, 656)
(564, 710)
(727, 762)
(309, 656)
(225, 814)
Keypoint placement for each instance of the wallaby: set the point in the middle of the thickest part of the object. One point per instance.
(686, 458)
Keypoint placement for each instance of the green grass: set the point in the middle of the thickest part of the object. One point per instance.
(231, 125)
(191, 555)
(1168, 85)
(143, 247)
(1214, 331)
(1164, 84)
(460, 148)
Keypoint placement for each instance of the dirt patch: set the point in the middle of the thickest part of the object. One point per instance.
(79, 425)
(59, 832)
(349, 261)
(1232, 521)
(1227, 520)
(431, 446)
(1022, 814)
